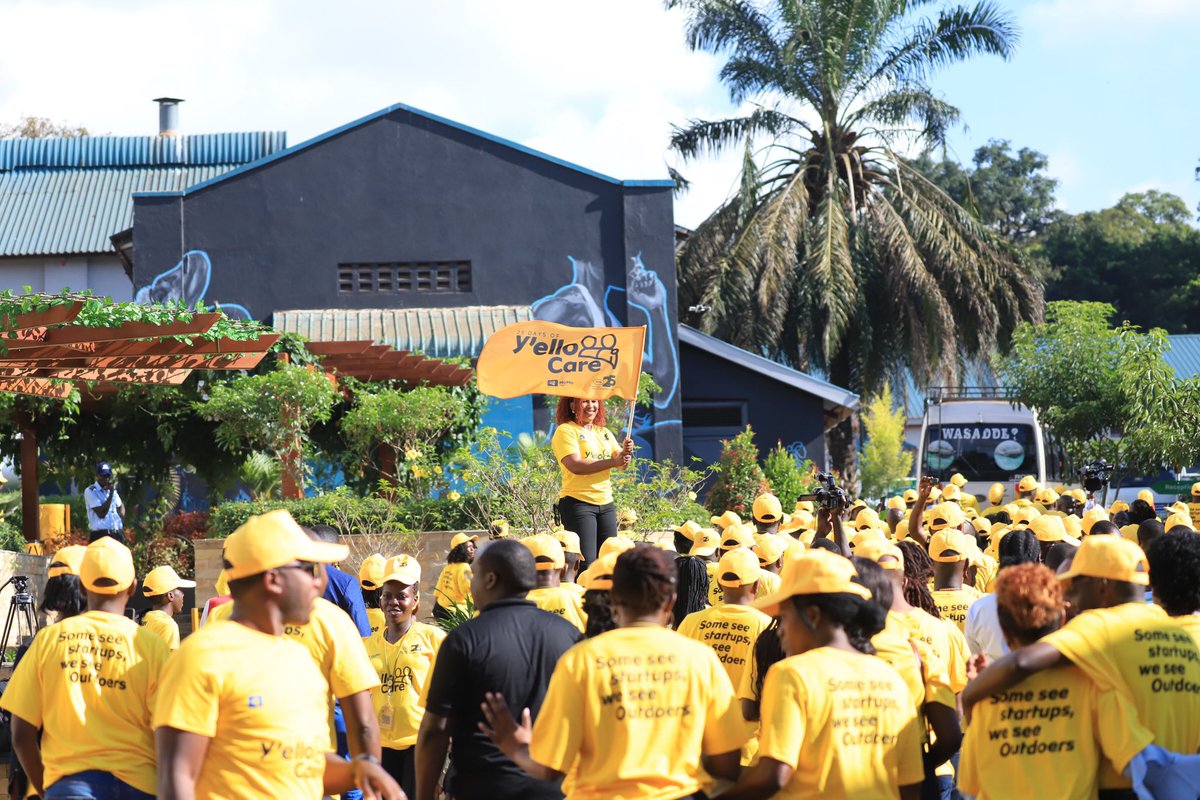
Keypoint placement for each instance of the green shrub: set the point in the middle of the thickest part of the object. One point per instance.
(739, 477)
(11, 537)
(151, 552)
(661, 493)
(340, 509)
(789, 477)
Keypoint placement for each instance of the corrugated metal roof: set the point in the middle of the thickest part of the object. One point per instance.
(140, 151)
(1184, 355)
(51, 212)
(437, 332)
(68, 196)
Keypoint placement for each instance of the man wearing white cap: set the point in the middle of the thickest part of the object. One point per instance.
(165, 588)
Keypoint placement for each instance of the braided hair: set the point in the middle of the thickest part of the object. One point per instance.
(692, 582)
(644, 579)
(597, 604)
(767, 651)
(918, 569)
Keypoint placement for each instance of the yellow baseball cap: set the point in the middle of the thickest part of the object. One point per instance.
(498, 528)
(901, 530)
(1177, 519)
(599, 575)
(951, 493)
(1179, 506)
(1073, 526)
(883, 553)
(569, 541)
(1195, 489)
(161, 580)
(804, 505)
(705, 543)
(1048, 528)
(1111, 558)
(769, 548)
(547, 551)
(107, 566)
(958, 480)
(271, 540)
(737, 536)
(896, 502)
(726, 519)
(996, 493)
(1091, 517)
(616, 545)
(950, 545)
(738, 568)
(1046, 497)
(866, 535)
(767, 508)
(867, 518)
(910, 496)
(370, 572)
(66, 561)
(813, 572)
(403, 568)
(1027, 484)
(221, 584)
(946, 515)
(1118, 506)
(1025, 516)
(462, 538)
(688, 529)
(1147, 496)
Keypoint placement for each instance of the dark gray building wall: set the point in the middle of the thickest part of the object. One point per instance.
(714, 387)
(405, 187)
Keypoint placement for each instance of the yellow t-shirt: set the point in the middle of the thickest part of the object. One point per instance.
(562, 601)
(1044, 738)
(1138, 651)
(1194, 512)
(731, 632)
(632, 710)
(953, 604)
(336, 647)
(376, 620)
(263, 705)
(593, 442)
(163, 624)
(945, 640)
(403, 670)
(90, 682)
(844, 722)
(915, 662)
(768, 583)
(453, 585)
(715, 597)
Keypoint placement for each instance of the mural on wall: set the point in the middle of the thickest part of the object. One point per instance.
(188, 281)
(585, 302)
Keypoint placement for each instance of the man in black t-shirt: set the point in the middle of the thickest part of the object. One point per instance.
(510, 648)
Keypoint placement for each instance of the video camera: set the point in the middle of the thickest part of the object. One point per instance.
(1095, 475)
(829, 494)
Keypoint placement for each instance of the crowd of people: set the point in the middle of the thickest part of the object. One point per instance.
(934, 647)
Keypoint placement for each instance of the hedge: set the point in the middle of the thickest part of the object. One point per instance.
(348, 514)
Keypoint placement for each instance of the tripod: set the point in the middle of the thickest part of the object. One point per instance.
(20, 611)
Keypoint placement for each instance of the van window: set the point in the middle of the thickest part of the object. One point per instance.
(980, 451)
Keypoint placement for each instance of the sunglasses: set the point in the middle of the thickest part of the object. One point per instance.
(313, 569)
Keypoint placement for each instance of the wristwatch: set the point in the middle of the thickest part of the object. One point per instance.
(368, 758)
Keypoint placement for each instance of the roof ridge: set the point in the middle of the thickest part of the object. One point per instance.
(84, 152)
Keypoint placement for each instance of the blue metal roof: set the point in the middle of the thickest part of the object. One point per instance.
(68, 196)
(1184, 355)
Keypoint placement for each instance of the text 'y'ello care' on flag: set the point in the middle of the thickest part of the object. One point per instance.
(547, 358)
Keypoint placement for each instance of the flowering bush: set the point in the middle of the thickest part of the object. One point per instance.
(740, 478)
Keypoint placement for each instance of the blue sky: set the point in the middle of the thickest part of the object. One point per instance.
(1108, 89)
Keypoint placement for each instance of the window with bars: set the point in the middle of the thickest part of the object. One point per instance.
(404, 276)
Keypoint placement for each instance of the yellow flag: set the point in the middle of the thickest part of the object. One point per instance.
(546, 358)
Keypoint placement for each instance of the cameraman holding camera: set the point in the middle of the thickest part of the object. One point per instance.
(105, 510)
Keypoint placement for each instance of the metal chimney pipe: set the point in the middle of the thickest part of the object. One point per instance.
(168, 115)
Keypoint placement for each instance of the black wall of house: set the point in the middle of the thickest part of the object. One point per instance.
(404, 188)
(713, 387)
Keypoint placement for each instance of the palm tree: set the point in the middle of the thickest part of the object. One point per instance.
(834, 253)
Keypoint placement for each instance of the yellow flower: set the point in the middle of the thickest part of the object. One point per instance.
(412, 454)
(419, 472)
(452, 495)
(692, 496)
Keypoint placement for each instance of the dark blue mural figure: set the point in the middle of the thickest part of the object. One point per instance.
(188, 281)
(586, 302)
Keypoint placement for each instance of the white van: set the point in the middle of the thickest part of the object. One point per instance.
(983, 435)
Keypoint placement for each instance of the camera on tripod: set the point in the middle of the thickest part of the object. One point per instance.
(1095, 475)
(829, 494)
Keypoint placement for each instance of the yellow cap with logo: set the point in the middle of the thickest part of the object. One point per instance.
(688, 530)
(569, 541)
(107, 567)
(813, 572)
(403, 569)
(616, 545)
(767, 508)
(547, 551)
(705, 543)
(738, 568)
(272, 540)
(726, 519)
(370, 572)
(161, 580)
(1110, 557)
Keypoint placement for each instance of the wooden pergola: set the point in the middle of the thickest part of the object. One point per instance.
(48, 353)
(367, 361)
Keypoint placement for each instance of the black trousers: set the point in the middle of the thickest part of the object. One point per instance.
(593, 523)
(94, 535)
(402, 765)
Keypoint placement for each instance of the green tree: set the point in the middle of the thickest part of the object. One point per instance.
(789, 477)
(884, 462)
(274, 412)
(834, 253)
(739, 477)
(1142, 256)
(40, 128)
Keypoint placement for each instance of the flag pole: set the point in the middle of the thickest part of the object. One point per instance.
(637, 386)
